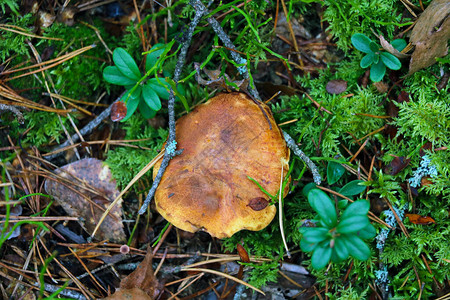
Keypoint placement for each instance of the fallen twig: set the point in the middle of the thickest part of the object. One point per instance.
(293, 146)
(200, 10)
(85, 130)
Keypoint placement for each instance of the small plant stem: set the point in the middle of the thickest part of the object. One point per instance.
(200, 10)
(280, 213)
(293, 146)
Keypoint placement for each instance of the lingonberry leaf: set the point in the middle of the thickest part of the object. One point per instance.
(112, 75)
(356, 246)
(390, 61)
(377, 71)
(321, 256)
(352, 224)
(150, 97)
(324, 206)
(334, 172)
(361, 42)
(126, 64)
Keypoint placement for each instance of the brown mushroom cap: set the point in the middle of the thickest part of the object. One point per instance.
(206, 187)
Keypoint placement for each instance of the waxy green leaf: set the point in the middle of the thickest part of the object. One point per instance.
(112, 75)
(324, 206)
(126, 64)
(361, 42)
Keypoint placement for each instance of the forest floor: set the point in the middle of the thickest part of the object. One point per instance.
(89, 92)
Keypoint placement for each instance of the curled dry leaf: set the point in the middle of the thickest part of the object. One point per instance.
(143, 279)
(420, 220)
(87, 191)
(430, 35)
(396, 165)
(118, 111)
(336, 86)
(225, 141)
(243, 254)
(389, 48)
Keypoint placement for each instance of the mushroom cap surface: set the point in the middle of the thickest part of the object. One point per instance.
(206, 187)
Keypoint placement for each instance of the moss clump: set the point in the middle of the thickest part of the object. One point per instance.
(126, 162)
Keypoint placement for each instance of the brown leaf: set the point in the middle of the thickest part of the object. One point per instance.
(430, 35)
(389, 48)
(242, 253)
(118, 111)
(336, 86)
(398, 164)
(419, 220)
(144, 278)
(258, 203)
(91, 190)
(129, 294)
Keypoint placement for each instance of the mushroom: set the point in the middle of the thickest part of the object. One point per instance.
(225, 141)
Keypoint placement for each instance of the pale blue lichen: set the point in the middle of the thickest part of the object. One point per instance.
(243, 68)
(391, 221)
(382, 278)
(170, 148)
(425, 169)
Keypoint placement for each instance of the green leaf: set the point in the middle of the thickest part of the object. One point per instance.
(340, 248)
(161, 87)
(357, 208)
(132, 102)
(376, 59)
(307, 188)
(112, 75)
(342, 203)
(334, 171)
(126, 64)
(352, 188)
(321, 256)
(307, 246)
(367, 232)
(377, 71)
(324, 206)
(352, 224)
(151, 98)
(146, 111)
(398, 44)
(315, 234)
(361, 42)
(154, 55)
(356, 247)
(334, 257)
(390, 61)
(367, 60)
(374, 46)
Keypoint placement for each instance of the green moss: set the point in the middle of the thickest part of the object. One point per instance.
(126, 162)
(13, 43)
(346, 18)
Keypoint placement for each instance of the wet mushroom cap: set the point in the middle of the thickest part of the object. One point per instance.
(207, 188)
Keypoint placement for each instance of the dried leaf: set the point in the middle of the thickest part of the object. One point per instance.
(118, 111)
(129, 294)
(420, 220)
(242, 253)
(144, 279)
(90, 178)
(258, 203)
(389, 48)
(398, 164)
(430, 35)
(336, 86)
